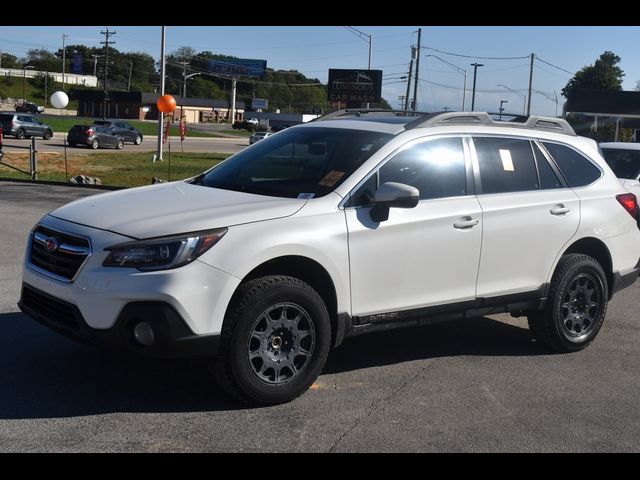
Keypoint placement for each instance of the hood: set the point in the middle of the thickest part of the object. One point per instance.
(170, 208)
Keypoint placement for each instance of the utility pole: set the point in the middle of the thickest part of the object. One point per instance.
(106, 43)
(233, 101)
(130, 71)
(415, 84)
(473, 93)
(406, 98)
(501, 109)
(464, 89)
(46, 81)
(401, 99)
(184, 78)
(64, 57)
(533, 55)
(556, 95)
(162, 73)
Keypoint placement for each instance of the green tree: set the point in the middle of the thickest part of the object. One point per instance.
(9, 61)
(604, 74)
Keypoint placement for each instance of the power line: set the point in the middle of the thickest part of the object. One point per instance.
(475, 56)
(555, 66)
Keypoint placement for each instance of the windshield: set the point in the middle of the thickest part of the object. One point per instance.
(624, 163)
(296, 163)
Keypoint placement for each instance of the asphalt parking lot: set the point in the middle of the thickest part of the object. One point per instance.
(468, 386)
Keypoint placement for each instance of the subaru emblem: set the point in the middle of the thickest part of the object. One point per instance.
(51, 245)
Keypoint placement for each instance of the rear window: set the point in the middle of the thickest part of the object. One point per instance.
(79, 128)
(577, 170)
(6, 117)
(624, 163)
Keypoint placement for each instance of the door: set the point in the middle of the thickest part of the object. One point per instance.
(125, 131)
(422, 256)
(26, 124)
(528, 214)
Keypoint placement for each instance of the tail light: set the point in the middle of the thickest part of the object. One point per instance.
(630, 204)
(91, 131)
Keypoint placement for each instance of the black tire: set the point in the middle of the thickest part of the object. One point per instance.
(138, 140)
(246, 366)
(576, 305)
(120, 145)
(47, 135)
(95, 144)
(20, 134)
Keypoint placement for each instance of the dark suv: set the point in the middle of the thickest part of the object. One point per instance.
(124, 129)
(22, 125)
(94, 136)
(28, 107)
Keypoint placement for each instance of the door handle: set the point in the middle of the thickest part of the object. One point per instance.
(559, 210)
(467, 223)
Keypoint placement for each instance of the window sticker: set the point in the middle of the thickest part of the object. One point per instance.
(507, 162)
(306, 196)
(331, 178)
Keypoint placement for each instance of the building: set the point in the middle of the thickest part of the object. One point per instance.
(142, 106)
(69, 78)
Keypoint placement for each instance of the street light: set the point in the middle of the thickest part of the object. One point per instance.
(459, 70)
(368, 39)
(473, 94)
(184, 83)
(524, 103)
(24, 81)
(501, 109)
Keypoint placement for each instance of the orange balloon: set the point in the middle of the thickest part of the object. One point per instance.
(166, 104)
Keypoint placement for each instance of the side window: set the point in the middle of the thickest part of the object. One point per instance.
(436, 168)
(364, 196)
(577, 170)
(548, 178)
(506, 165)
(22, 118)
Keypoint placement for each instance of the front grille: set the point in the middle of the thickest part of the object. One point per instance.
(50, 308)
(58, 253)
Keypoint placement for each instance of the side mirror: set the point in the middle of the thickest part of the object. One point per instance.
(396, 195)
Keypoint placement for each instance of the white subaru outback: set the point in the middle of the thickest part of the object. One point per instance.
(357, 222)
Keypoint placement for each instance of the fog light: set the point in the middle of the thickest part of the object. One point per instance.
(143, 333)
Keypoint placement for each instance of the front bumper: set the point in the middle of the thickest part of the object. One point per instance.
(172, 337)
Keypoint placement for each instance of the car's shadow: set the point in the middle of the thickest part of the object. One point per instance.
(45, 375)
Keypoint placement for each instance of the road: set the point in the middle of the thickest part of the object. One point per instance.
(191, 144)
(469, 386)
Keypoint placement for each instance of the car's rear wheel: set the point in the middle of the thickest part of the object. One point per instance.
(576, 305)
(95, 144)
(47, 135)
(20, 134)
(274, 342)
(138, 140)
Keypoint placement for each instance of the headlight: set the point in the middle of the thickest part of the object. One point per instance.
(162, 253)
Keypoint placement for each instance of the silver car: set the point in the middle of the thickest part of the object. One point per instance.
(258, 136)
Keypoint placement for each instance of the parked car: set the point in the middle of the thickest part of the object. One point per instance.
(278, 128)
(28, 107)
(21, 126)
(258, 136)
(124, 129)
(253, 121)
(94, 136)
(339, 227)
(624, 160)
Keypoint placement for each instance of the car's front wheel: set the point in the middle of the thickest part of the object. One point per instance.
(47, 135)
(576, 305)
(274, 342)
(138, 140)
(120, 144)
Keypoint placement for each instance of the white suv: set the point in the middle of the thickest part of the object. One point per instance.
(360, 221)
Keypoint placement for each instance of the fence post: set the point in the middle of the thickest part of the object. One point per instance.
(33, 151)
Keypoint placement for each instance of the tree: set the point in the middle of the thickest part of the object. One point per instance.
(604, 74)
(9, 61)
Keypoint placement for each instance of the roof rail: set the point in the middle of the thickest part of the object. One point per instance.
(536, 122)
(362, 112)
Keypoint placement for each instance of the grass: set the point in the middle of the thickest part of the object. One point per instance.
(117, 169)
(63, 124)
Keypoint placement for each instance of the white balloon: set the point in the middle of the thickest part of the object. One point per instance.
(59, 99)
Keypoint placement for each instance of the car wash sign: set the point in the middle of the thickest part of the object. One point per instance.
(354, 86)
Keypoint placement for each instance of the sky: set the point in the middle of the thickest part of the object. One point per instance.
(312, 50)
